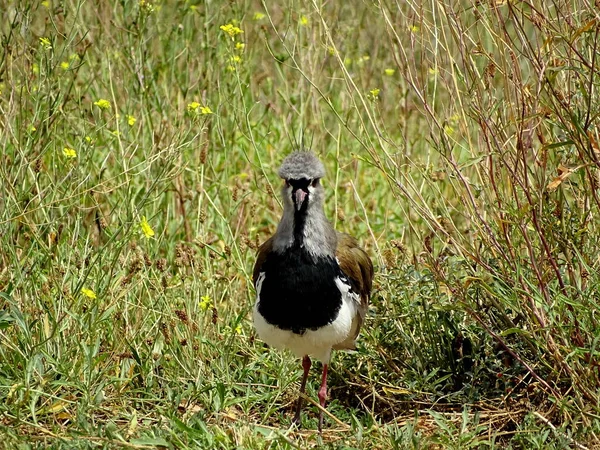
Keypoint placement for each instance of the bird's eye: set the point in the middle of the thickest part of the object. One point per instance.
(314, 182)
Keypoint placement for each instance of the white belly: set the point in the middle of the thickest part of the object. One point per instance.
(317, 343)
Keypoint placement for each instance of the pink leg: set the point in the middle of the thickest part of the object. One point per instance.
(306, 366)
(322, 396)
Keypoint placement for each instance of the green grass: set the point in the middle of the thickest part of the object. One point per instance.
(461, 144)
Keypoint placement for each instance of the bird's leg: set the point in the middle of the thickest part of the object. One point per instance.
(322, 396)
(306, 367)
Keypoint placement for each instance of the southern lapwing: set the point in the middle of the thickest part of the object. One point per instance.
(312, 283)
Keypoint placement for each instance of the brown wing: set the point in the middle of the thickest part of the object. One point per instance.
(261, 256)
(356, 265)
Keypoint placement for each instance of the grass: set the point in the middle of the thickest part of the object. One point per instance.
(141, 141)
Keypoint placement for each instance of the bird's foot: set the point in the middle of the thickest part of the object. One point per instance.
(296, 418)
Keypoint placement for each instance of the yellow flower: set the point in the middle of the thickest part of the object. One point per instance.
(148, 6)
(389, 72)
(432, 71)
(414, 29)
(230, 68)
(236, 59)
(303, 20)
(238, 329)
(374, 92)
(130, 120)
(205, 302)
(69, 153)
(258, 16)
(231, 30)
(146, 228)
(240, 46)
(88, 293)
(192, 107)
(46, 44)
(35, 68)
(31, 128)
(46, 4)
(448, 130)
(102, 104)
(88, 139)
(196, 109)
(362, 60)
(64, 65)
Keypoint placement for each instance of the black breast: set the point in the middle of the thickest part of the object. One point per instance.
(299, 291)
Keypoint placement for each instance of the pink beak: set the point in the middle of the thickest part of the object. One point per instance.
(300, 197)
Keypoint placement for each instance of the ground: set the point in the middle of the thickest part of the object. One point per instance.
(141, 141)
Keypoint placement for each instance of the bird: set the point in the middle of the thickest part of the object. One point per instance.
(312, 283)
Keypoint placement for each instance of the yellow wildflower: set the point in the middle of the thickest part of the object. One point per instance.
(69, 153)
(35, 68)
(88, 139)
(230, 68)
(64, 65)
(303, 20)
(192, 107)
(231, 30)
(205, 302)
(88, 293)
(148, 6)
(258, 16)
(46, 4)
(414, 29)
(196, 108)
(146, 228)
(102, 104)
(374, 92)
(449, 130)
(238, 329)
(432, 71)
(389, 72)
(236, 59)
(363, 59)
(240, 46)
(46, 44)
(31, 128)
(130, 120)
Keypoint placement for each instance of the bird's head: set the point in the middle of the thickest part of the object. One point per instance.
(302, 172)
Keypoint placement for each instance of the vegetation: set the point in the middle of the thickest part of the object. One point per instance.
(141, 141)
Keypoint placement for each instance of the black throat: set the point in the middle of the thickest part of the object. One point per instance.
(299, 223)
(300, 214)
